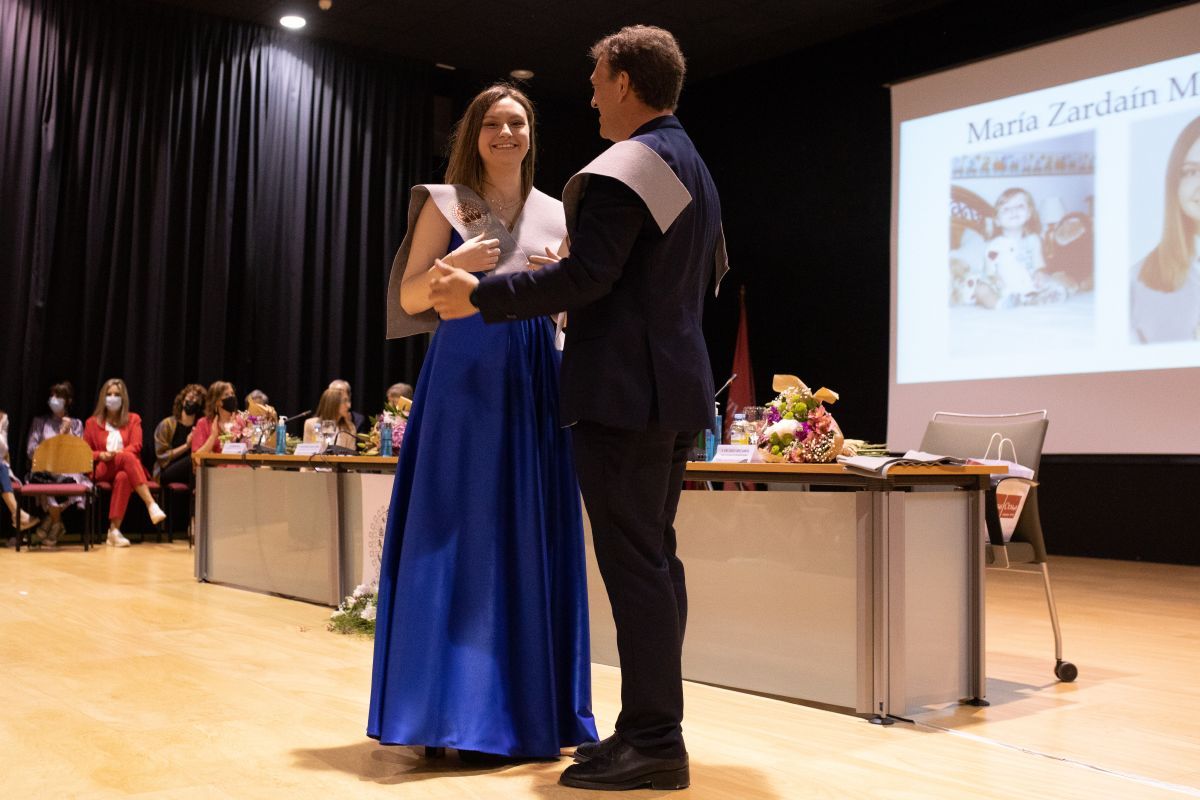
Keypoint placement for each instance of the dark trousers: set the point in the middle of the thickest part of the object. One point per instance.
(178, 471)
(631, 482)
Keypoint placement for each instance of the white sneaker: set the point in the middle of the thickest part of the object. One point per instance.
(27, 521)
(116, 538)
(157, 515)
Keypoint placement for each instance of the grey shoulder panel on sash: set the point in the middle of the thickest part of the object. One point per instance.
(399, 322)
(540, 224)
(642, 170)
(652, 179)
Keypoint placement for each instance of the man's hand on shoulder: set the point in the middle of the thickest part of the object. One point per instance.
(451, 291)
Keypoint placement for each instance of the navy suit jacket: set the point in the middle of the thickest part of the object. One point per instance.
(635, 355)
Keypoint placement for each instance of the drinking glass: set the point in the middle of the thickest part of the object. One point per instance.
(328, 432)
(756, 418)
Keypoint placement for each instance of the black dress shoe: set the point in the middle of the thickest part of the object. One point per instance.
(622, 767)
(435, 752)
(589, 750)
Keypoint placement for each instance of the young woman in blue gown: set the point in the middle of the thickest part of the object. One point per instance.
(481, 639)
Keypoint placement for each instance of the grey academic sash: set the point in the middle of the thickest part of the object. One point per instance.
(652, 179)
(539, 226)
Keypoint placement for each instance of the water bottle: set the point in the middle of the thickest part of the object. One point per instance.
(738, 432)
(385, 438)
(281, 437)
(713, 437)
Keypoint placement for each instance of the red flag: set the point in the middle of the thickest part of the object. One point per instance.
(741, 391)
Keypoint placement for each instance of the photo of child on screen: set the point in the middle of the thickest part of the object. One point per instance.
(1165, 291)
(1014, 256)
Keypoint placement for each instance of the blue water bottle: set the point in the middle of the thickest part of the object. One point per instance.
(281, 437)
(713, 437)
(385, 439)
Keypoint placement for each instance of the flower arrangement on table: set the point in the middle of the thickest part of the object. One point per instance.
(396, 419)
(246, 427)
(356, 614)
(798, 428)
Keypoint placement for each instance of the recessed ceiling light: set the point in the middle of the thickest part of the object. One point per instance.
(522, 74)
(439, 65)
(292, 21)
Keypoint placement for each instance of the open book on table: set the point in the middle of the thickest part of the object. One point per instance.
(879, 465)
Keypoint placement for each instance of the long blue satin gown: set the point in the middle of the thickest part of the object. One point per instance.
(481, 639)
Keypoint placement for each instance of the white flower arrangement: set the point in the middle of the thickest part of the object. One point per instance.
(356, 614)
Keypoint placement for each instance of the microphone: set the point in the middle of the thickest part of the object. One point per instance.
(281, 425)
(285, 420)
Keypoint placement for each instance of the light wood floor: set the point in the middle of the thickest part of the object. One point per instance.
(123, 677)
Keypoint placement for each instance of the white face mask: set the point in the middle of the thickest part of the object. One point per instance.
(113, 402)
(57, 404)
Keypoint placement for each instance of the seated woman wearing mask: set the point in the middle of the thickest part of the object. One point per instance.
(220, 404)
(173, 437)
(47, 426)
(115, 435)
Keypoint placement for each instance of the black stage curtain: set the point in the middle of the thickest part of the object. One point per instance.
(190, 199)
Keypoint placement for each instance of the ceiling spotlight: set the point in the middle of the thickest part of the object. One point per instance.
(324, 5)
(448, 67)
(522, 74)
(292, 21)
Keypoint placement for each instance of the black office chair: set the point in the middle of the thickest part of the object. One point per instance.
(968, 436)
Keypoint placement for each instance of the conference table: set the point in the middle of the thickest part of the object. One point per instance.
(855, 592)
(303, 527)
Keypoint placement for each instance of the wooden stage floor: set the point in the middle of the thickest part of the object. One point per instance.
(126, 678)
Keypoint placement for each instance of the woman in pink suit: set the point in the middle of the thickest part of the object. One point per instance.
(115, 435)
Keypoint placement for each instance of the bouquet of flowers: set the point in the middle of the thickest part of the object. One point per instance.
(356, 614)
(248, 428)
(396, 419)
(798, 427)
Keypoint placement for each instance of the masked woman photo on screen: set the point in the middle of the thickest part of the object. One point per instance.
(1165, 293)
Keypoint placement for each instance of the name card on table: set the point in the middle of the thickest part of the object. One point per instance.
(734, 454)
(234, 449)
(308, 448)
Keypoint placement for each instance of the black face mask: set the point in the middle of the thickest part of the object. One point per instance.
(192, 408)
(229, 404)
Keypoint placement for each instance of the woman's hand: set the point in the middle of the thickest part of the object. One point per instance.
(105, 456)
(65, 427)
(188, 441)
(475, 254)
(537, 262)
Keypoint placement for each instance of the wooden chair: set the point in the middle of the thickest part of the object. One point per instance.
(63, 455)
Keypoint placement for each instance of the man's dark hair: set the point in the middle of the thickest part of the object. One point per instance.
(652, 59)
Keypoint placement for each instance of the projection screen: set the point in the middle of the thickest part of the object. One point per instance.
(1045, 229)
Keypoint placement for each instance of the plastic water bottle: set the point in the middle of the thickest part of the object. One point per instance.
(281, 437)
(713, 437)
(738, 432)
(385, 438)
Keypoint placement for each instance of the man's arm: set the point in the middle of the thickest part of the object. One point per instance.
(610, 219)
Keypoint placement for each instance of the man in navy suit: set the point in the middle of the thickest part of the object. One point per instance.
(644, 222)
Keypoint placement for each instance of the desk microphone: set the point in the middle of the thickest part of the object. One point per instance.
(285, 420)
(282, 422)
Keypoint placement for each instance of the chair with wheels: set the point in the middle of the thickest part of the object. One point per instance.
(968, 436)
